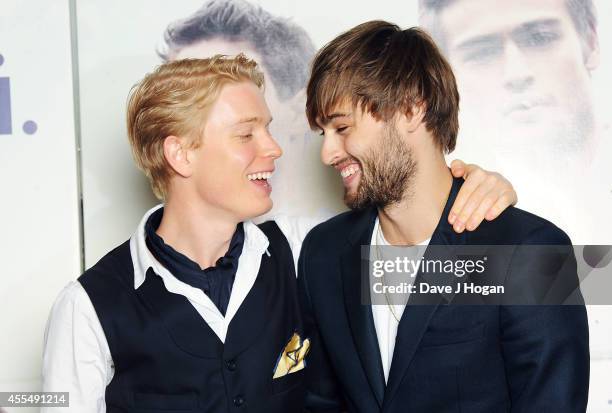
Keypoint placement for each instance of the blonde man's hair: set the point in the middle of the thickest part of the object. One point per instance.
(174, 100)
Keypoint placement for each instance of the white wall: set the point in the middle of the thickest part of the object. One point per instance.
(39, 245)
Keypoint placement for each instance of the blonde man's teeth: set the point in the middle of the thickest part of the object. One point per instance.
(259, 175)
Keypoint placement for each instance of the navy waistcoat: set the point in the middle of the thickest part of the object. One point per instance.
(168, 359)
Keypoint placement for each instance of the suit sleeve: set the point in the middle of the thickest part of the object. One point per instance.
(546, 347)
(323, 393)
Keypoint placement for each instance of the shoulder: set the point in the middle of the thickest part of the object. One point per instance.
(334, 232)
(72, 297)
(72, 310)
(517, 226)
(114, 268)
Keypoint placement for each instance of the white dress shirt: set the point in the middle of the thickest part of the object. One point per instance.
(76, 357)
(385, 322)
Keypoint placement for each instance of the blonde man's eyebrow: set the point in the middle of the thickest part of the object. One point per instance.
(253, 119)
(247, 120)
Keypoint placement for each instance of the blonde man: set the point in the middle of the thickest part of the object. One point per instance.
(198, 310)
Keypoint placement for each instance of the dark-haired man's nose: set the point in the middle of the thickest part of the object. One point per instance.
(517, 75)
(332, 149)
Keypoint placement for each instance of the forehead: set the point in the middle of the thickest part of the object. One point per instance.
(466, 19)
(339, 111)
(239, 101)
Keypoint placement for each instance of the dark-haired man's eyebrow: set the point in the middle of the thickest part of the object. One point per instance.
(338, 115)
(331, 117)
(323, 121)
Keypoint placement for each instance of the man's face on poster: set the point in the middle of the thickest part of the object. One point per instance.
(522, 70)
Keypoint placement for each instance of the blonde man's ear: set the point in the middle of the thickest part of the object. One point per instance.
(177, 154)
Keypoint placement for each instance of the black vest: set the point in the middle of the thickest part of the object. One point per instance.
(168, 359)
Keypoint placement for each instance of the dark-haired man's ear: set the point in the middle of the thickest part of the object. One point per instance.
(176, 153)
(414, 118)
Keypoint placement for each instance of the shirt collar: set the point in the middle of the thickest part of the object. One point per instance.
(255, 241)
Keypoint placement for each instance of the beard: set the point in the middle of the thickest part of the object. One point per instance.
(387, 173)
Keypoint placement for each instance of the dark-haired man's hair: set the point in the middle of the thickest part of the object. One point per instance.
(385, 70)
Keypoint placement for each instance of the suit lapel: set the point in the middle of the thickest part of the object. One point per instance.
(359, 314)
(421, 308)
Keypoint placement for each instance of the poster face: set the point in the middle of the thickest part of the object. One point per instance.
(528, 75)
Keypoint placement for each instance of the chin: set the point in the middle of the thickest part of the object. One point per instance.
(258, 208)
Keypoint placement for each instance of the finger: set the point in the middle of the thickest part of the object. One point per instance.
(471, 168)
(458, 168)
(504, 200)
(512, 195)
(474, 220)
(473, 202)
(502, 186)
(475, 178)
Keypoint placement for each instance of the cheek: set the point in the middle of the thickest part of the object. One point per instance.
(242, 156)
(569, 79)
(352, 146)
(478, 84)
(227, 166)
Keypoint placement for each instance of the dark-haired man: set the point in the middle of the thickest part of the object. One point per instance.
(386, 101)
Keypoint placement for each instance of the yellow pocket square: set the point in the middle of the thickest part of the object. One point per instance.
(292, 357)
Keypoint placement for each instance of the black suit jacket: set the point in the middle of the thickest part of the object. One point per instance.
(448, 358)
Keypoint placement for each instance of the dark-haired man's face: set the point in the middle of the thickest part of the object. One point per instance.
(374, 161)
(522, 71)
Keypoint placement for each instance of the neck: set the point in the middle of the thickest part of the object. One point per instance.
(415, 218)
(197, 231)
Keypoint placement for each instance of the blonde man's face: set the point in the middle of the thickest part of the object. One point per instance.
(237, 154)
